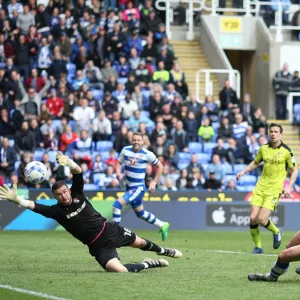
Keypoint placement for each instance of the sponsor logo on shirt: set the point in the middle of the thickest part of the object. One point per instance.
(76, 212)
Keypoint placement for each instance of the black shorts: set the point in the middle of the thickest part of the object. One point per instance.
(113, 237)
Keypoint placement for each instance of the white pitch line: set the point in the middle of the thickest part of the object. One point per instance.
(236, 252)
(46, 296)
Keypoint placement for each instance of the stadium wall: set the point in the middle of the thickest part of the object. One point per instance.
(184, 210)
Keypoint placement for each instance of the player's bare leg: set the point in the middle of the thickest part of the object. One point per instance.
(114, 265)
(147, 245)
(150, 218)
(117, 210)
(254, 229)
(263, 219)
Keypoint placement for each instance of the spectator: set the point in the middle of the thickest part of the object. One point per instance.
(64, 45)
(122, 67)
(156, 105)
(79, 80)
(161, 75)
(259, 120)
(50, 166)
(25, 20)
(143, 75)
(122, 139)
(238, 153)
(197, 179)
(225, 130)
(133, 122)
(67, 139)
(282, 82)
(253, 147)
(239, 127)
(206, 132)
(195, 164)
(112, 160)
(220, 150)
(247, 109)
(216, 168)
(181, 182)
(169, 185)
(149, 50)
(227, 96)
(172, 156)
(25, 140)
(178, 78)
(101, 127)
(44, 60)
(109, 176)
(212, 183)
(26, 158)
(159, 147)
(108, 71)
(39, 138)
(98, 165)
(83, 115)
(83, 146)
(58, 65)
(119, 93)
(231, 186)
(109, 104)
(212, 109)
(7, 158)
(194, 106)
(179, 136)
(34, 81)
(55, 105)
(7, 127)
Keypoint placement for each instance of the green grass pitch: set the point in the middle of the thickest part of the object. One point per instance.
(56, 264)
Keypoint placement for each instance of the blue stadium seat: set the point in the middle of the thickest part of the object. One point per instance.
(98, 177)
(56, 124)
(207, 147)
(182, 165)
(215, 126)
(95, 153)
(227, 178)
(122, 80)
(98, 95)
(174, 177)
(103, 146)
(90, 186)
(228, 169)
(203, 158)
(72, 123)
(52, 156)
(104, 155)
(184, 156)
(71, 68)
(38, 154)
(195, 147)
(247, 180)
(17, 164)
(239, 168)
(145, 113)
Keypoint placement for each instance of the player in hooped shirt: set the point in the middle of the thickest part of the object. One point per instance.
(136, 158)
(76, 214)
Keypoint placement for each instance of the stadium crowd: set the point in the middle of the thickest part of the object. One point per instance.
(82, 77)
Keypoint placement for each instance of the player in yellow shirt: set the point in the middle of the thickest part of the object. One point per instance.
(277, 158)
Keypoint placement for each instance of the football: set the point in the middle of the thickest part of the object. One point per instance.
(35, 172)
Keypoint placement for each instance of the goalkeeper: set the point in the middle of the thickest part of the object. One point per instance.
(75, 213)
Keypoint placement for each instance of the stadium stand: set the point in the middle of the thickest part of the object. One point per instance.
(90, 78)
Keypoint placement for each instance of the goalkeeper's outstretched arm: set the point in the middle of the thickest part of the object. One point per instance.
(65, 161)
(11, 195)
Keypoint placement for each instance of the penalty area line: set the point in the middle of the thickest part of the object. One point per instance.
(237, 252)
(28, 292)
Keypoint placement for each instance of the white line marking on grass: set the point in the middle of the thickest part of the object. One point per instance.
(237, 252)
(46, 296)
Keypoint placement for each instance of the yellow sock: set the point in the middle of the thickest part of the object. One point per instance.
(272, 227)
(254, 230)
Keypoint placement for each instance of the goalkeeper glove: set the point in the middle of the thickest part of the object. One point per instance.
(65, 161)
(11, 195)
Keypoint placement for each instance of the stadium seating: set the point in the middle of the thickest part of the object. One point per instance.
(239, 168)
(52, 156)
(203, 158)
(247, 180)
(38, 154)
(195, 147)
(207, 147)
(56, 124)
(228, 169)
(184, 156)
(103, 146)
(98, 177)
(98, 95)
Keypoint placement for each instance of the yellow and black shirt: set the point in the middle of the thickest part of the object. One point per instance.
(276, 161)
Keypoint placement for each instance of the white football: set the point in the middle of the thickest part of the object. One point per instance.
(35, 172)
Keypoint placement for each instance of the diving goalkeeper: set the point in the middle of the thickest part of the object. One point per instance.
(75, 213)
